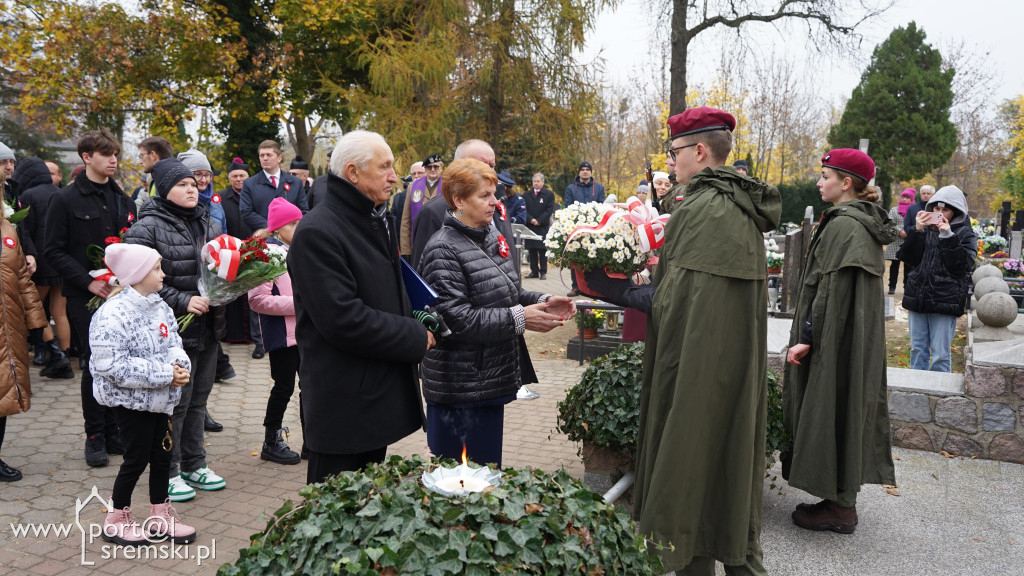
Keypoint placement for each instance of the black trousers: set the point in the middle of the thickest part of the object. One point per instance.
(146, 442)
(284, 366)
(894, 273)
(3, 429)
(539, 260)
(98, 419)
(323, 465)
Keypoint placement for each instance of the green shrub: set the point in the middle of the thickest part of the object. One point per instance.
(382, 521)
(604, 407)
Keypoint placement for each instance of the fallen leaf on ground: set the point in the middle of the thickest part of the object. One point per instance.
(892, 492)
(254, 453)
(976, 539)
(896, 458)
(947, 454)
(936, 476)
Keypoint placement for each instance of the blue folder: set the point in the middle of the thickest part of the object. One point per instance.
(420, 293)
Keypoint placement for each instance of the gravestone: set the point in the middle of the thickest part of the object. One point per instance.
(1015, 244)
(797, 242)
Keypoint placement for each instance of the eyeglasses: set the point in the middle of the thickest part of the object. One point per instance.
(672, 151)
(203, 175)
(433, 166)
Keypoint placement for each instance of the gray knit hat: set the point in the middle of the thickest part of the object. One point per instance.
(6, 153)
(196, 161)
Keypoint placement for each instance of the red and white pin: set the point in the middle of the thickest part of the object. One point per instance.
(503, 246)
(9, 242)
(163, 330)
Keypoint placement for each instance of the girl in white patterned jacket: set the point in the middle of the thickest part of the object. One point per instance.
(138, 368)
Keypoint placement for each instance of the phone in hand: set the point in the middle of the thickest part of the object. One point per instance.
(933, 218)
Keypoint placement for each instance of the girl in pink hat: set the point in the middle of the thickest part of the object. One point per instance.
(273, 302)
(138, 367)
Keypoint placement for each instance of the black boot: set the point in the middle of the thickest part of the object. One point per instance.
(40, 355)
(211, 425)
(58, 365)
(275, 450)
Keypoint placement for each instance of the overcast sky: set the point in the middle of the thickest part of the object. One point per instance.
(992, 26)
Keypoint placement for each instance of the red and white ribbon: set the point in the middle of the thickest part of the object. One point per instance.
(104, 274)
(503, 246)
(501, 212)
(650, 227)
(223, 254)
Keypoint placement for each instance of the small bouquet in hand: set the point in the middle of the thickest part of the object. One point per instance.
(102, 272)
(615, 237)
(231, 267)
(13, 214)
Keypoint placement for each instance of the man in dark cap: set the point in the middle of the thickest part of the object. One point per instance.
(420, 191)
(700, 457)
(68, 234)
(300, 169)
(515, 208)
(583, 189)
(741, 167)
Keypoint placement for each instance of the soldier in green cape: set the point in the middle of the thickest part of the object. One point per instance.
(701, 453)
(834, 393)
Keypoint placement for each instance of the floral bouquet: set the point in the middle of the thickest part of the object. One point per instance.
(231, 267)
(774, 259)
(13, 214)
(102, 272)
(616, 237)
(994, 243)
(1012, 268)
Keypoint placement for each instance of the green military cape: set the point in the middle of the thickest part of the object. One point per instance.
(835, 407)
(700, 459)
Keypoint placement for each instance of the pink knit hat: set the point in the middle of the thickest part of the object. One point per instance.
(130, 262)
(281, 212)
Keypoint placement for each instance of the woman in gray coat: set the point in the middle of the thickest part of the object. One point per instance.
(471, 374)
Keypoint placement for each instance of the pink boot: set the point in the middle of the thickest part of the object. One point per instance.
(119, 527)
(163, 521)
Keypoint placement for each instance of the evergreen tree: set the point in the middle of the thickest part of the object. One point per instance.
(902, 105)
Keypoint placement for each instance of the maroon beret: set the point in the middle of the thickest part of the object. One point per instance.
(701, 119)
(849, 160)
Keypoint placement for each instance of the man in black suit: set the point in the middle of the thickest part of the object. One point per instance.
(540, 205)
(269, 183)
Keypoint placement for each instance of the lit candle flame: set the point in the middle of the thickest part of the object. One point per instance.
(464, 463)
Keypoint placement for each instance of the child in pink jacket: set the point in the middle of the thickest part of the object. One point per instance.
(273, 302)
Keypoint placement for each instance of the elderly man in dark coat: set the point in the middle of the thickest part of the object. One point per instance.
(358, 341)
(540, 205)
(700, 455)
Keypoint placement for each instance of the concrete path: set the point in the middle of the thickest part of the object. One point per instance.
(952, 516)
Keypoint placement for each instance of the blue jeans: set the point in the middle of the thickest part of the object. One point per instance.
(931, 336)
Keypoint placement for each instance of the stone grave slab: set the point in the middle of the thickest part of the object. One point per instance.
(1003, 353)
(925, 382)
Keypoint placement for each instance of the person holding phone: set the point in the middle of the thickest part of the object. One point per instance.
(941, 247)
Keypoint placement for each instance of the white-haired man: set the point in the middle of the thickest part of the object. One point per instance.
(354, 328)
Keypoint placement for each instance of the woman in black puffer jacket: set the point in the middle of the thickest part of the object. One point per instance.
(177, 226)
(471, 374)
(942, 256)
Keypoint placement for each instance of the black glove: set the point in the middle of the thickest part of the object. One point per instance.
(432, 320)
(621, 291)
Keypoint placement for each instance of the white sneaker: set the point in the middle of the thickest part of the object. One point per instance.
(525, 393)
(178, 491)
(203, 479)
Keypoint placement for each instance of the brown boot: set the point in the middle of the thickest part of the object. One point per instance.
(811, 507)
(829, 517)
